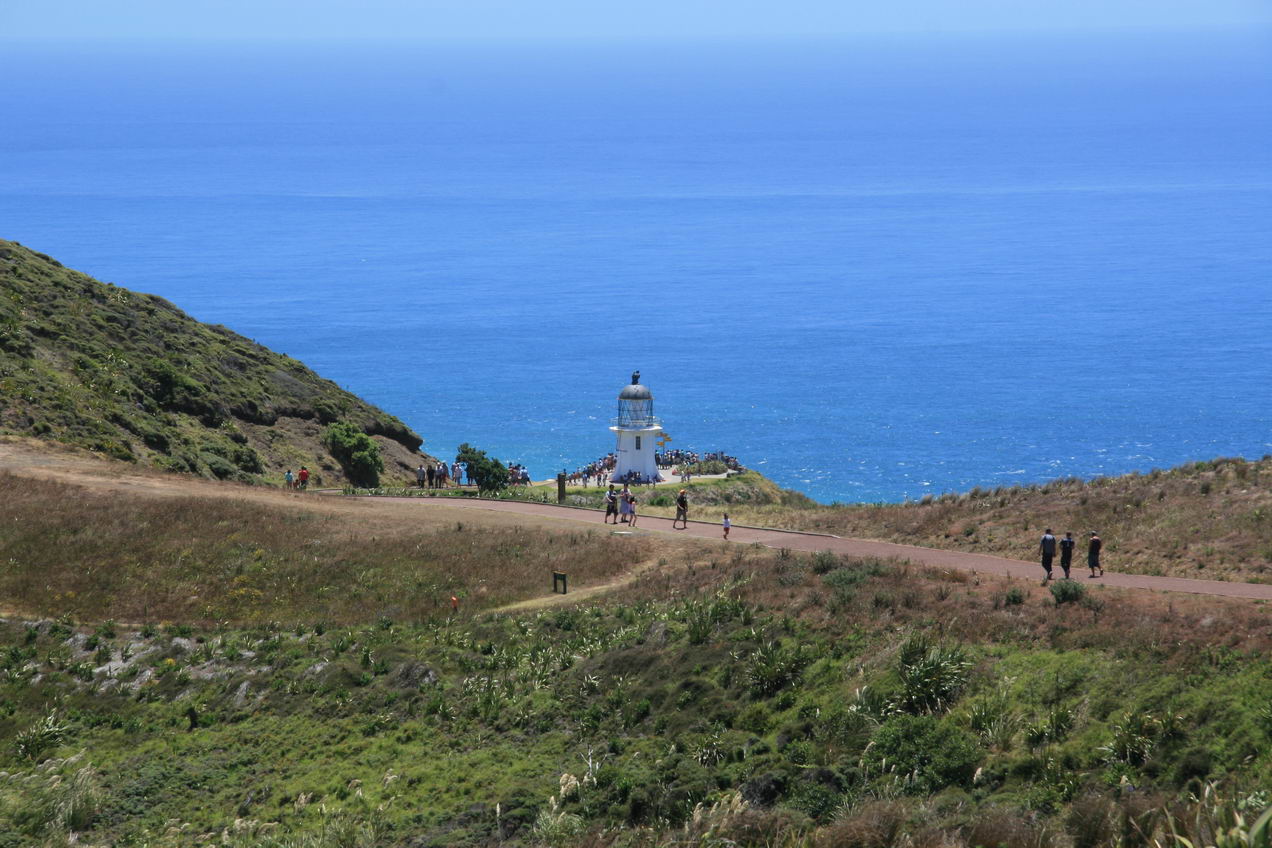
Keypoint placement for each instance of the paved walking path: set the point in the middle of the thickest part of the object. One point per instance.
(797, 541)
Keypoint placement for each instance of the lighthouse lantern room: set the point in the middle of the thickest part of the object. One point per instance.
(637, 428)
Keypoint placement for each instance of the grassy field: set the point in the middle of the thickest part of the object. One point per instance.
(102, 554)
(726, 693)
(805, 700)
(1209, 520)
(189, 662)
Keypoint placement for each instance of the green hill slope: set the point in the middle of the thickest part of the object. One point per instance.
(131, 376)
(313, 688)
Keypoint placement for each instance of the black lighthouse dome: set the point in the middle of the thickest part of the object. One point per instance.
(636, 405)
(635, 392)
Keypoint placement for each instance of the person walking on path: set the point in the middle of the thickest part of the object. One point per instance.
(1048, 549)
(682, 511)
(430, 472)
(288, 479)
(625, 505)
(1093, 554)
(631, 509)
(304, 478)
(419, 476)
(1067, 544)
(726, 524)
(611, 505)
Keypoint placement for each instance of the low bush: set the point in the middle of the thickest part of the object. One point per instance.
(921, 754)
(932, 676)
(358, 455)
(1067, 592)
(773, 667)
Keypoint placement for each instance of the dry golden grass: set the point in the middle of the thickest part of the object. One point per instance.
(139, 556)
(1208, 520)
(895, 595)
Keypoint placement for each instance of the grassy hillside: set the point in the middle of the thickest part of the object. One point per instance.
(1210, 520)
(286, 680)
(130, 376)
(200, 558)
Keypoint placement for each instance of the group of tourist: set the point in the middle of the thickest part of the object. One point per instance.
(299, 480)
(594, 473)
(622, 505)
(1049, 544)
(601, 471)
(437, 476)
(674, 458)
(518, 475)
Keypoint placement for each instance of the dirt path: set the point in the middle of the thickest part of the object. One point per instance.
(576, 595)
(39, 460)
(796, 541)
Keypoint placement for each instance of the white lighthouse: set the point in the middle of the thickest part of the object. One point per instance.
(637, 429)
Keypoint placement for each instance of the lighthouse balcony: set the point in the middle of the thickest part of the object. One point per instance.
(631, 422)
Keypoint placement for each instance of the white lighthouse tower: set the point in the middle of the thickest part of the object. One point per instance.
(637, 428)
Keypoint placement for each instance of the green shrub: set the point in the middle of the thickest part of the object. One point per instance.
(931, 675)
(326, 411)
(713, 466)
(636, 712)
(922, 753)
(992, 719)
(824, 562)
(1051, 729)
(358, 455)
(1134, 738)
(248, 460)
(773, 667)
(700, 623)
(1067, 592)
(490, 474)
(45, 734)
(755, 718)
(220, 467)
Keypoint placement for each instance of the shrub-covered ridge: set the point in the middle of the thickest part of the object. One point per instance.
(131, 376)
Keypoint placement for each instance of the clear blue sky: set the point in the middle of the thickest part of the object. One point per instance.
(601, 19)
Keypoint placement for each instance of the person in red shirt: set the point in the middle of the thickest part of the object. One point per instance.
(304, 477)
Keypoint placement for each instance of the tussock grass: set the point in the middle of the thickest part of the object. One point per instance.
(1209, 520)
(96, 556)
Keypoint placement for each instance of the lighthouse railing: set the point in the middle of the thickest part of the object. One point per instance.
(636, 421)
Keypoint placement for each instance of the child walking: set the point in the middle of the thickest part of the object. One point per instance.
(726, 524)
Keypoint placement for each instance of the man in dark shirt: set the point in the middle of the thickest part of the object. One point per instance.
(611, 505)
(1093, 554)
(682, 510)
(1048, 549)
(1067, 544)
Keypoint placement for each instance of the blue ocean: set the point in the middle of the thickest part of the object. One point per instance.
(872, 269)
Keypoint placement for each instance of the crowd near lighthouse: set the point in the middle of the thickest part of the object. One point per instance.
(637, 430)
